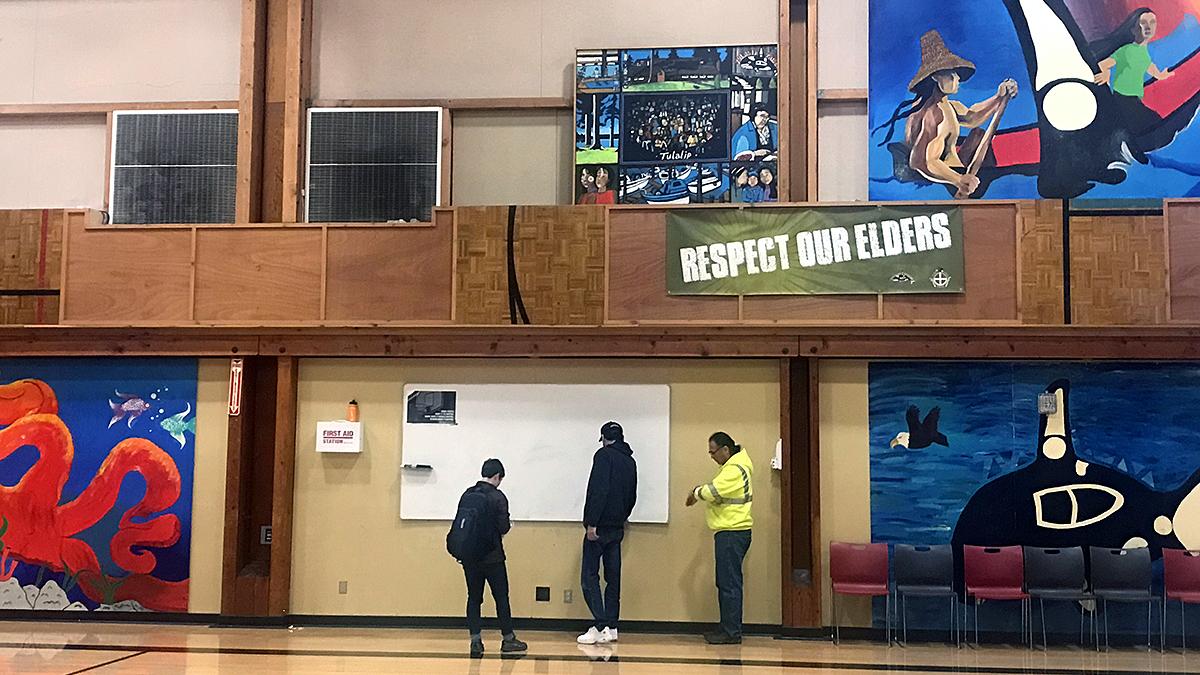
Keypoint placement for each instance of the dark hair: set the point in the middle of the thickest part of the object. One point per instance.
(1123, 35)
(926, 90)
(723, 440)
(492, 467)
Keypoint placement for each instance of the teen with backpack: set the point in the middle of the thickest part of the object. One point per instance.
(476, 542)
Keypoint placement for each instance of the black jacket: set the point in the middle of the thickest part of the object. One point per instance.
(612, 487)
(493, 529)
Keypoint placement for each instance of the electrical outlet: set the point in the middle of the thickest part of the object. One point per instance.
(343, 587)
(542, 594)
(568, 597)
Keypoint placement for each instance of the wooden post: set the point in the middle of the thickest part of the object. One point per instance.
(286, 92)
(250, 111)
(801, 523)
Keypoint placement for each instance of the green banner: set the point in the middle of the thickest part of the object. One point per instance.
(804, 251)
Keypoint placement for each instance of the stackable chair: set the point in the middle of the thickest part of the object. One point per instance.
(1057, 574)
(861, 570)
(1181, 581)
(926, 571)
(1123, 575)
(996, 573)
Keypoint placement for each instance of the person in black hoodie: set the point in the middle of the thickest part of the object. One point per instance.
(611, 494)
(490, 568)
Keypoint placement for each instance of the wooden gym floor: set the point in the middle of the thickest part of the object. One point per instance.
(71, 648)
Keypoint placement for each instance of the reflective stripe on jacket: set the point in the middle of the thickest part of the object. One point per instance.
(730, 495)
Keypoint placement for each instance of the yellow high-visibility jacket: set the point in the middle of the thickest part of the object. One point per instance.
(730, 495)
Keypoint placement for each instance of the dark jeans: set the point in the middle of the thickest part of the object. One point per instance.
(731, 548)
(606, 606)
(496, 576)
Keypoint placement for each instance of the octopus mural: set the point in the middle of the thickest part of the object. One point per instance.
(117, 542)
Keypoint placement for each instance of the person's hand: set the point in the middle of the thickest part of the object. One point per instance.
(1007, 89)
(1166, 74)
(592, 535)
(967, 185)
(1102, 77)
(691, 498)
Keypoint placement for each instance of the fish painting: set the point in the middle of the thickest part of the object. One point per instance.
(130, 408)
(176, 425)
(903, 277)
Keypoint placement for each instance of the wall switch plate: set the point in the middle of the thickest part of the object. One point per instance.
(568, 596)
(264, 535)
(542, 594)
(1047, 403)
(343, 587)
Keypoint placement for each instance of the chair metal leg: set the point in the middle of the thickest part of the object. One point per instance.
(1106, 645)
(904, 616)
(1183, 625)
(837, 624)
(977, 621)
(1042, 611)
(1149, 610)
(888, 612)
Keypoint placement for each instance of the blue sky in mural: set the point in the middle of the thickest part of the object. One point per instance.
(983, 33)
(1139, 418)
(84, 388)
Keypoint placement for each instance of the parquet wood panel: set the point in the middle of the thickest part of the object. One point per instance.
(559, 256)
(1118, 270)
(1041, 262)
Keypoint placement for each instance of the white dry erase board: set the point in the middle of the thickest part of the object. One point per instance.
(545, 434)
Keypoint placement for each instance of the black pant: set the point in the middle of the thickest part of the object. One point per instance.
(606, 607)
(496, 576)
(731, 548)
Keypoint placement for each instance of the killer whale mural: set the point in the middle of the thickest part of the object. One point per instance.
(1033, 98)
(1117, 464)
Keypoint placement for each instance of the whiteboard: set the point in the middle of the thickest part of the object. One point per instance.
(546, 435)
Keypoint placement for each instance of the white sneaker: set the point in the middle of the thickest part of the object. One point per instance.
(591, 637)
(608, 635)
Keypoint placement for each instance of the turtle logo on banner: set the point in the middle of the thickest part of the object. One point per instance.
(940, 279)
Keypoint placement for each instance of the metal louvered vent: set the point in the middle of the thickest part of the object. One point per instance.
(373, 164)
(173, 166)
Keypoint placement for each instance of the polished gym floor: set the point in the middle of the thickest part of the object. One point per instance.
(70, 648)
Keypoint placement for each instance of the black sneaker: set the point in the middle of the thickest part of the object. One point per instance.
(476, 649)
(722, 638)
(512, 644)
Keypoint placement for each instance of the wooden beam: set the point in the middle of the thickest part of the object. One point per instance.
(810, 101)
(102, 109)
(251, 111)
(842, 95)
(899, 340)
(800, 534)
(800, 131)
(783, 171)
(283, 486)
(484, 103)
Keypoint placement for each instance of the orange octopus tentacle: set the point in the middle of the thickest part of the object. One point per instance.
(24, 397)
(163, 486)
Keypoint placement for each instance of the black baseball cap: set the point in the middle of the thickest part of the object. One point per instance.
(611, 431)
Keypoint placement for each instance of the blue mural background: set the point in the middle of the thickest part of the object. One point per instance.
(1138, 418)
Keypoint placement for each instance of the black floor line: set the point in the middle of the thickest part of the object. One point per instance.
(98, 666)
(583, 658)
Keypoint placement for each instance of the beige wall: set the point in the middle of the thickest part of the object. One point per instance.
(347, 522)
(842, 126)
(517, 48)
(208, 494)
(845, 472)
(61, 51)
(506, 158)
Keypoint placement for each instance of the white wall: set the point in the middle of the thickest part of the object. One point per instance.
(52, 163)
(502, 155)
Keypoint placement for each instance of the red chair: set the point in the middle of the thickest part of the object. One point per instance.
(1181, 581)
(861, 570)
(996, 573)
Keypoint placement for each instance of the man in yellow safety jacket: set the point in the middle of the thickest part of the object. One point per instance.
(728, 497)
